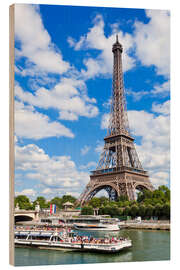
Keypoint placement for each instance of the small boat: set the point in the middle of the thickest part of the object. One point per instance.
(69, 241)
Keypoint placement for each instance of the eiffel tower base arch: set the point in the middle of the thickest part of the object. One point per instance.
(116, 184)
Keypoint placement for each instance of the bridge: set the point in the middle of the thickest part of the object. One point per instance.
(26, 215)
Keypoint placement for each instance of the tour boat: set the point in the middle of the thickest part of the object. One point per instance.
(101, 226)
(98, 224)
(70, 241)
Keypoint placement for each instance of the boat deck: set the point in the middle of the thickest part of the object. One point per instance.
(55, 241)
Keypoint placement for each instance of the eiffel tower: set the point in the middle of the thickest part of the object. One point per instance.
(119, 170)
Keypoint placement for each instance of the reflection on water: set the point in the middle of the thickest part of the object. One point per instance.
(147, 246)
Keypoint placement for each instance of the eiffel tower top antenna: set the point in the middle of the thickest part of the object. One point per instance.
(118, 123)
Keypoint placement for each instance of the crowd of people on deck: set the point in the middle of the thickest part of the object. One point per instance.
(74, 238)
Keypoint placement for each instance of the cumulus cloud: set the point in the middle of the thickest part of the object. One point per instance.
(150, 127)
(34, 125)
(88, 166)
(99, 147)
(153, 41)
(105, 120)
(57, 174)
(153, 150)
(28, 192)
(85, 150)
(163, 108)
(96, 39)
(35, 43)
(69, 97)
(161, 89)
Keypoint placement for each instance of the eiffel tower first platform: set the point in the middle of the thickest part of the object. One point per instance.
(119, 170)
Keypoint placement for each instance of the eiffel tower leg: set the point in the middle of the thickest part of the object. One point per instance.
(122, 189)
(127, 189)
(131, 191)
(112, 193)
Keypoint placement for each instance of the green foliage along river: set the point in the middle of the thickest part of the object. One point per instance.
(148, 245)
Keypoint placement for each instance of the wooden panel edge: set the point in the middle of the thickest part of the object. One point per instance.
(11, 134)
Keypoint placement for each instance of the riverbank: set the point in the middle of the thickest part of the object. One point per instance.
(148, 225)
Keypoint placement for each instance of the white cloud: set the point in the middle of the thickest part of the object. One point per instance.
(36, 44)
(137, 95)
(69, 97)
(85, 150)
(57, 174)
(89, 165)
(153, 41)
(99, 147)
(47, 191)
(162, 108)
(159, 178)
(34, 125)
(28, 192)
(96, 39)
(51, 193)
(151, 128)
(105, 121)
(153, 150)
(161, 89)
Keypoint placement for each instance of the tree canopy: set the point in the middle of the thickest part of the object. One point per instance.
(23, 202)
(148, 204)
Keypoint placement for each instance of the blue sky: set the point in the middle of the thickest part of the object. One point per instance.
(63, 83)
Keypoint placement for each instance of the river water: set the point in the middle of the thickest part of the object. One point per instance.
(147, 246)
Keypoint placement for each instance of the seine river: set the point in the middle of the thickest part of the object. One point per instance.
(147, 246)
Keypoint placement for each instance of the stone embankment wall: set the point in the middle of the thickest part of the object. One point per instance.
(150, 225)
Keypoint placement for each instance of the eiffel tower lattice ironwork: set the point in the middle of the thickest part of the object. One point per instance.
(119, 170)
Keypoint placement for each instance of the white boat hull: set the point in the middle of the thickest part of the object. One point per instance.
(106, 248)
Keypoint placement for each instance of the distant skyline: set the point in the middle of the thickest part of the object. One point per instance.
(63, 83)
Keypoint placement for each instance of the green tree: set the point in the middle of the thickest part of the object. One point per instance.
(42, 202)
(134, 210)
(167, 195)
(114, 211)
(112, 204)
(104, 201)
(126, 211)
(24, 202)
(57, 201)
(107, 210)
(87, 210)
(158, 210)
(163, 188)
(166, 210)
(142, 210)
(122, 198)
(95, 202)
(149, 211)
(158, 194)
(68, 198)
(145, 194)
(166, 192)
(140, 197)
